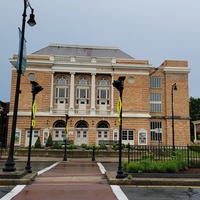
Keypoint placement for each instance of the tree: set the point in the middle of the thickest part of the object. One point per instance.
(194, 113)
(49, 141)
(37, 143)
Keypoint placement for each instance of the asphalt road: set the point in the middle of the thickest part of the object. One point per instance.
(161, 193)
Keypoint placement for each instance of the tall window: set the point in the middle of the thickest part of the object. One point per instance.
(103, 92)
(156, 131)
(155, 102)
(62, 88)
(82, 90)
(155, 82)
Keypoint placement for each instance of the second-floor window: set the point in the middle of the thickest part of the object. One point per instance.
(62, 89)
(82, 92)
(155, 82)
(103, 92)
(155, 102)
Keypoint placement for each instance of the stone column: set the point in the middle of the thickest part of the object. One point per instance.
(71, 101)
(92, 109)
(52, 92)
(112, 94)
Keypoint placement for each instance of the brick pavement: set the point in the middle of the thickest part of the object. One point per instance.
(73, 180)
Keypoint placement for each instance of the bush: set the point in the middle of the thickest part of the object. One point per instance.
(135, 167)
(37, 143)
(171, 166)
(93, 147)
(57, 146)
(84, 145)
(49, 141)
(72, 146)
(103, 146)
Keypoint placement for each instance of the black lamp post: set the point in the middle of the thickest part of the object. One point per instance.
(10, 164)
(119, 85)
(66, 138)
(36, 88)
(174, 87)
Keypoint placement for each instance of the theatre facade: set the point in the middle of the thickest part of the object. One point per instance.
(77, 81)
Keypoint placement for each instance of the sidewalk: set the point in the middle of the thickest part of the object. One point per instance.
(74, 179)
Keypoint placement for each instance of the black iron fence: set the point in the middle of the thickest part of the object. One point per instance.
(190, 154)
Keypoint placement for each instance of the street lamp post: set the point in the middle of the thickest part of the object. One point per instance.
(10, 164)
(36, 88)
(119, 85)
(174, 87)
(66, 138)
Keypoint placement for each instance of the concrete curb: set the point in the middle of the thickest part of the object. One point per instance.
(27, 179)
(152, 181)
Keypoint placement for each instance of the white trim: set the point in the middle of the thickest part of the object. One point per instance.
(102, 168)
(176, 70)
(47, 168)
(118, 192)
(16, 190)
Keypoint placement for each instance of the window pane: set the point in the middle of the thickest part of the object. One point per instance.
(82, 93)
(103, 94)
(61, 92)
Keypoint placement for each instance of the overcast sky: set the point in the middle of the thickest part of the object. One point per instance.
(155, 30)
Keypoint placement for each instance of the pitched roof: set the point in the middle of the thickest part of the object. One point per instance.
(85, 51)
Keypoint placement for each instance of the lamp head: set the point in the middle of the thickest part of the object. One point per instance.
(174, 86)
(119, 84)
(36, 88)
(31, 20)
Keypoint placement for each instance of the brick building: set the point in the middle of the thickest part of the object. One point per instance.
(77, 81)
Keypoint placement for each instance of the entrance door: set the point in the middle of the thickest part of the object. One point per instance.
(58, 134)
(81, 137)
(102, 135)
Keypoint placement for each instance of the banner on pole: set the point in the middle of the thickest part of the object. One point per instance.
(34, 109)
(23, 66)
(119, 108)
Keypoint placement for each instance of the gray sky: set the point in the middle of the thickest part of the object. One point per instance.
(155, 30)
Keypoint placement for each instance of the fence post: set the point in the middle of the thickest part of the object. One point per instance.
(128, 153)
(188, 156)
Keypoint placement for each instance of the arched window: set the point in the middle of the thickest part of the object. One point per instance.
(82, 124)
(103, 91)
(62, 90)
(103, 124)
(60, 124)
(82, 94)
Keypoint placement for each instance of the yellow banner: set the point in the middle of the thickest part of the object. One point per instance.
(34, 109)
(33, 122)
(119, 108)
(66, 131)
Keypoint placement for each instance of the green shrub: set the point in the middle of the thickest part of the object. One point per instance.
(102, 146)
(124, 165)
(57, 146)
(49, 141)
(135, 167)
(170, 166)
(38, 143)
(83, 145)
(72, 146)
(93, 147)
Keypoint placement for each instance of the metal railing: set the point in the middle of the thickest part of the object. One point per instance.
(190, 154)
